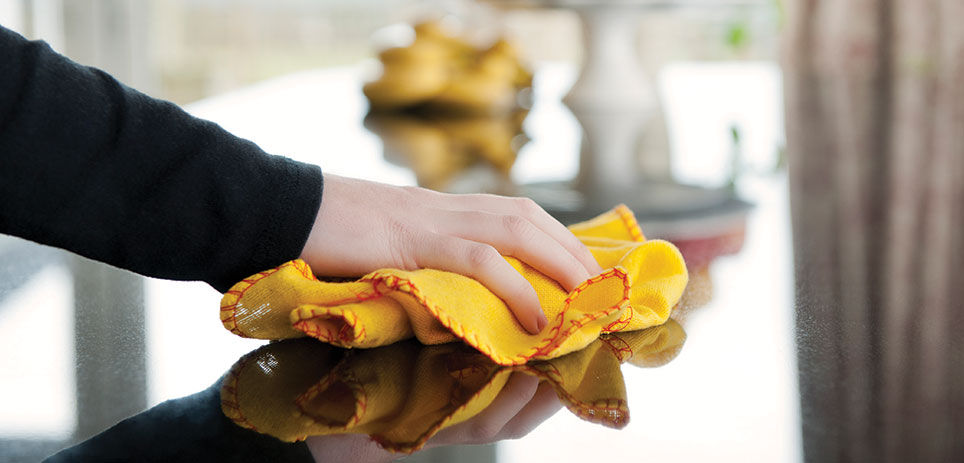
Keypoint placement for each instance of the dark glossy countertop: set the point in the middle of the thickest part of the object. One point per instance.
(87, 346)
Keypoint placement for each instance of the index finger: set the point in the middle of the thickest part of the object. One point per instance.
(524, 207)
(515, 236)
(488, 425)
(483, 263)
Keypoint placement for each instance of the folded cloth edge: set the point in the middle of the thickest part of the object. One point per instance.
(554, 338)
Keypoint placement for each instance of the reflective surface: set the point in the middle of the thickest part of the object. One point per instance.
(89, 346)
(406, 393)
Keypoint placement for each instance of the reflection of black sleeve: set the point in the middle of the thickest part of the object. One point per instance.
(188, 429)
(97, 168)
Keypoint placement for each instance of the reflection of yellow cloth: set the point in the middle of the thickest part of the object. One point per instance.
(403, 394)
(644, 281)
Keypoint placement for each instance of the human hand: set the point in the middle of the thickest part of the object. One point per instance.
(523, 404)
(363, 226)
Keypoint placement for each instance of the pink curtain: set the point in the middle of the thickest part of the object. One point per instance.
(875, 128)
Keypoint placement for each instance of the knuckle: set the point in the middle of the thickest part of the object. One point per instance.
(483, 430)
(400, 234)
(527, 206)
(402, 239)
(397, 228)
(517, 226)
(481, 255)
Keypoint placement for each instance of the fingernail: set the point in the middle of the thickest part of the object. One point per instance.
(542, 321)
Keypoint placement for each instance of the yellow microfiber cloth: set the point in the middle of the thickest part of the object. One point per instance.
(401, 395)
(644, 281)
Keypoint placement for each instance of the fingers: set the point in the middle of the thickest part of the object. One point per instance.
(550, 225)
(363, 226)
(484, 263)
(522, 404)
(515, 236)
(488, 425)
(528, 209)
(347, 447)
(543, 405)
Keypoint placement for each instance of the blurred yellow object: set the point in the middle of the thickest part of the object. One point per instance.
(488, 138)
(474, 91)
(644, 280)
(403, 394)
(446, 72)
(410, 76)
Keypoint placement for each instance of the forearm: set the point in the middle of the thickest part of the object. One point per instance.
(97, 168)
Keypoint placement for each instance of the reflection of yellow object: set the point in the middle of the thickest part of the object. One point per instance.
(644, 280)
(403, 394)
(488, 138)
(447, 72)
(438, 149)
(476, 92)
(419, 145)
(654, 347)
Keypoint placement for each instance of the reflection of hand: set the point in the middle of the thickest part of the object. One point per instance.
(363, 226)
(522, 405)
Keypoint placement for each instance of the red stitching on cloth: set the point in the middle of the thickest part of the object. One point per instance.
(459, 373)
(396, 283)
(305, 270)
(316, 332)
(586, 411)
(548, 371)
(622, 352)
(248, 283)
(550, 343)
(237, 292)
(345, 333)
(361, 402)
(595, 412)
(230, 386)
(623, 321)
(409, 447)
(359, 297)
(630, 221)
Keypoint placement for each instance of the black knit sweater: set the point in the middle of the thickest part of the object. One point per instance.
(92, 166)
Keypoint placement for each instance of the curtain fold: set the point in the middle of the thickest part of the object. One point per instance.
(875, 126)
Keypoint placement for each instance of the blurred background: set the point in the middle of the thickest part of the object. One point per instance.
(824, 333)
(288, 74)
(185, 50)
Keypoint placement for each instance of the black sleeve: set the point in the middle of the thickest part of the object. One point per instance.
(189, 429)
(90, 165)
